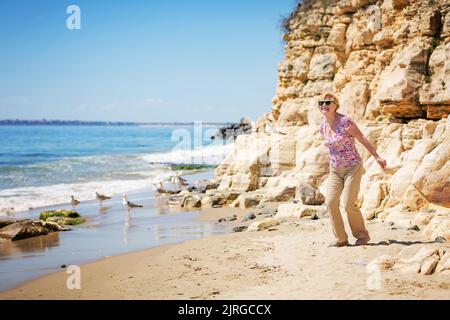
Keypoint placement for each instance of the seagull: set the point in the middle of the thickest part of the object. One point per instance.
(128, 203)
(101, 198)
(177, 179)
(74, 202)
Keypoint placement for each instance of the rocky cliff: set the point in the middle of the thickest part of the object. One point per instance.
(389, 64)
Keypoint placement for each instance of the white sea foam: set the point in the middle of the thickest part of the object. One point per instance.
(22, 199)
(207, 155)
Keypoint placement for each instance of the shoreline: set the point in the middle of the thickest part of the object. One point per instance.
(206, 215)
(108, 227)
(290, 262)
(144, 185)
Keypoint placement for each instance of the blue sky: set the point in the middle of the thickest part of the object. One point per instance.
(209, 60)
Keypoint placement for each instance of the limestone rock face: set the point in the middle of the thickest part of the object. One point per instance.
(388, 62)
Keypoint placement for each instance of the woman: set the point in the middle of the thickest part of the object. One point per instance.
(346, 170)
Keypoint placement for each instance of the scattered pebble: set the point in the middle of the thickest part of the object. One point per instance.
(249, 216)
(414, 228)
(240, 228)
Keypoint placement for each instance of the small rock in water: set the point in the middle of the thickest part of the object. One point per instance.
(232, 218)
(391, 223)
(239, 229)
(63, 266)
(414, 228)
(249, 216)
(221, 220)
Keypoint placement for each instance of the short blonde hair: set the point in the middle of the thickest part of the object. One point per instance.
(331, 96)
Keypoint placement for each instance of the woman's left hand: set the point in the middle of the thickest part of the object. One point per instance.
(381, 162)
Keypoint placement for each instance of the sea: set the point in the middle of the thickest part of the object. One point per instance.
(43, 165)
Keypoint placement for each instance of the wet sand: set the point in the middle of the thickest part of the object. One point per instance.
(292, 261)
(110, 231)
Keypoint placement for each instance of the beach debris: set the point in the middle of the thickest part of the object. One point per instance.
(101, 198)
(384, 262)
(240, 228)
(74, 202)
(263, 225)
(28, 228)
(310, 195)
(62, 217)
(129, 204)
(249, 216)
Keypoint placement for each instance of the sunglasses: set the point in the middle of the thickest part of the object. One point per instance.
(325, 102)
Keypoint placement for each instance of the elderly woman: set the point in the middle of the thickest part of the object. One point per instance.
(346, 169)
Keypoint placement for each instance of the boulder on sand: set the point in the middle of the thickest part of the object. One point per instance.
(23, 229)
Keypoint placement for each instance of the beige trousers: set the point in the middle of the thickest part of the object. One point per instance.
(345, 181)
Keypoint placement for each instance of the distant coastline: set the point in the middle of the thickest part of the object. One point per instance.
(19, 122)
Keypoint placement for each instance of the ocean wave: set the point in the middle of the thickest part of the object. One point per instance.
(209, 155)
(21, 199)
(46, 184)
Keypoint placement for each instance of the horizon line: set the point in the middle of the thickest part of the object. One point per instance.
(59, 121)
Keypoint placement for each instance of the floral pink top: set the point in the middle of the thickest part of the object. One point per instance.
(341, 144)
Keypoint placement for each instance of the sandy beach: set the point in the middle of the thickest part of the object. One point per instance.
(197, 153)
(293, 261)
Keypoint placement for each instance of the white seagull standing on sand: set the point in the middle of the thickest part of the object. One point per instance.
(128, 203)
(74, 202)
